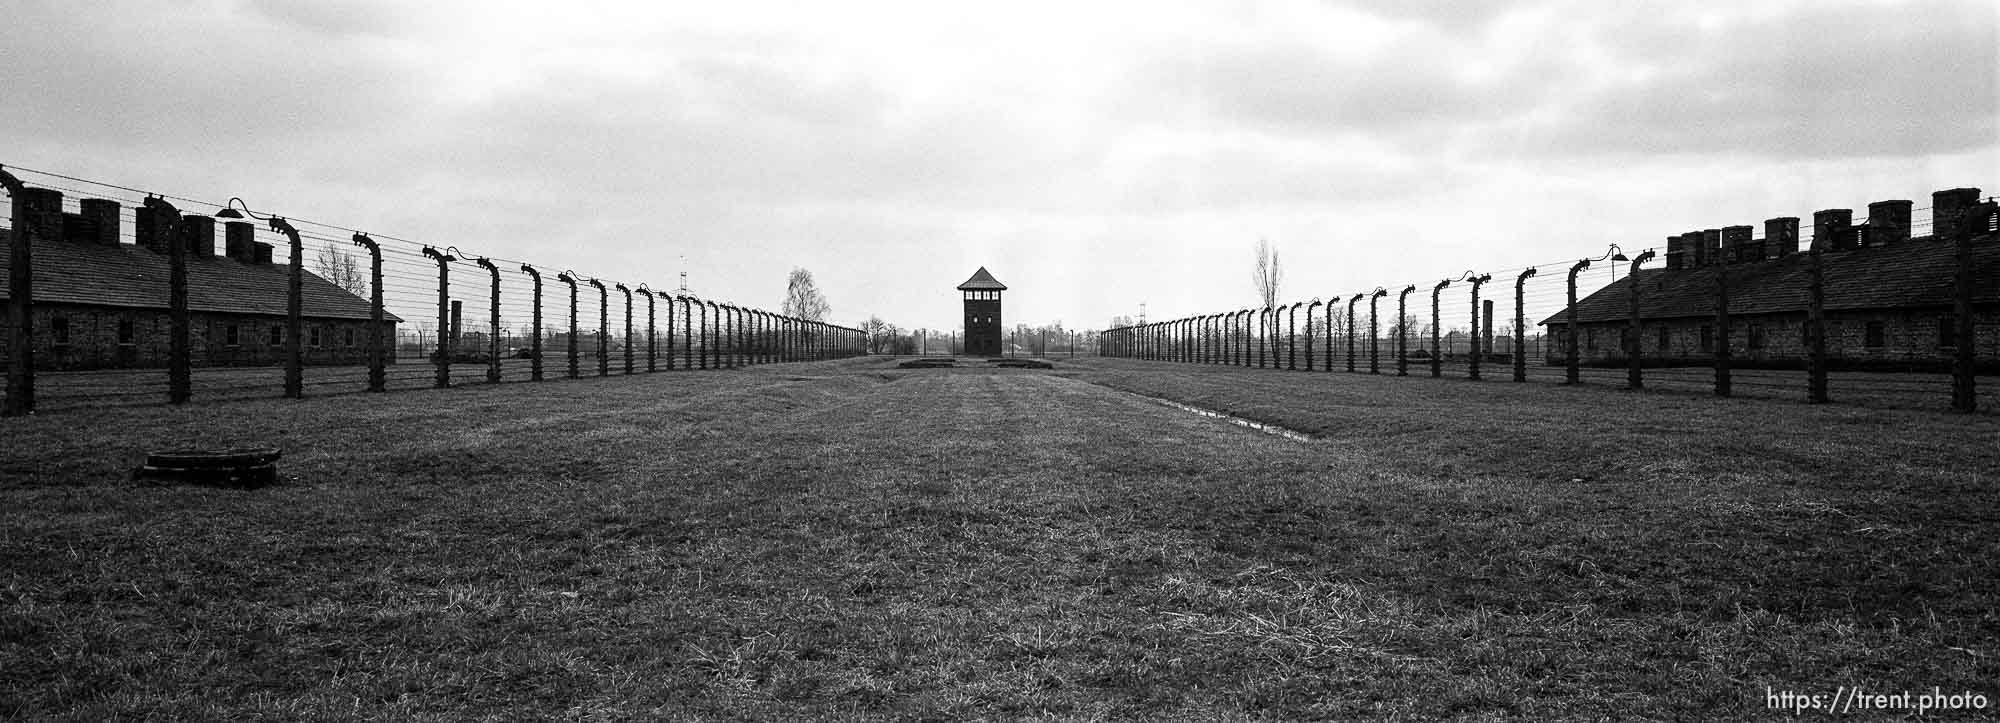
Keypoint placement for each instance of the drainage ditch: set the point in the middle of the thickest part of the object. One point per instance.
(1265, 427)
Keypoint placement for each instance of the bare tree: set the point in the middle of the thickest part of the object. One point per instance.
(342, 268)
(1269, 274)
(802, 298)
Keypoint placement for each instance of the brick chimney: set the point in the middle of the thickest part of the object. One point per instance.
(1676, 253)
(1781, 236)
(78, 229)
(103, 216)
(1739, 248)
(1831, 228)
(44, 212)
(1697, 254)
(198, 233)
(1711, 240)
(263, 253)
(1948, 208)
(1888, 222)
(238, 240)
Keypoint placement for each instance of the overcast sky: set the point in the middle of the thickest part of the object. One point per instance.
(1091, 155)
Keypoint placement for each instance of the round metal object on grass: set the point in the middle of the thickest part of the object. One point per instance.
(241, 467)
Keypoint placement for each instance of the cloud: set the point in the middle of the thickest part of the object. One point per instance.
(1826, 81)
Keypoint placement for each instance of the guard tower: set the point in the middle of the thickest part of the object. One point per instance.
(982, 313)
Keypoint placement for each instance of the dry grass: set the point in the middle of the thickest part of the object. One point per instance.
(848, 540)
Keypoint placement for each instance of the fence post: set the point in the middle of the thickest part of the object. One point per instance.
(1573, 372)
(1403, 331)
(378, 373)
(37, 211)
(1473, 356)
(1309, 333)
(627, 291)
(167, 222)
(652, 331)
(569, 277)
(1247, 318)
(1520, 326)
(1437, 320)
(492, 323)
(441, 357)
(1632, 378)
(687, 332)
(603, 328)
(1722, 351)
(1292, 336)
(535, 344)
(1375, 332)
(1815, 329)
(1350, 330)
(735, 331)
(295, 325)
(701, 307)
(1964, 393)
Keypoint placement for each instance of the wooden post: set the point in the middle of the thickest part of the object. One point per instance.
(35, 211)
(180, 363)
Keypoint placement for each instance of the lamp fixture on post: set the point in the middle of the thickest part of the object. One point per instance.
(294, 299)
(1573, 372)
(1632, 379)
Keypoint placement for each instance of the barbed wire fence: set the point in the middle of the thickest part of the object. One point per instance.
(449, 316)
(1512, 324)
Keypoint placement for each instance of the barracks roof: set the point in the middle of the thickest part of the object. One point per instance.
(74, 272)
(1918, 273)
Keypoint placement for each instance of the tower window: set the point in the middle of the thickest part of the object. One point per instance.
(1873, 336)
(125, 331)
(59, 329)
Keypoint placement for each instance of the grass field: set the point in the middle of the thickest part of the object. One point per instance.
(845, 539)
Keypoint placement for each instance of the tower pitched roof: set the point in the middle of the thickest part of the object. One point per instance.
(982, 281)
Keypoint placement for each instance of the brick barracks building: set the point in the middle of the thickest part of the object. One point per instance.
(1888, 296)
(102, 304)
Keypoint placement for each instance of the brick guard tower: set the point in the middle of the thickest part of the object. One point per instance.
(982, 313)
